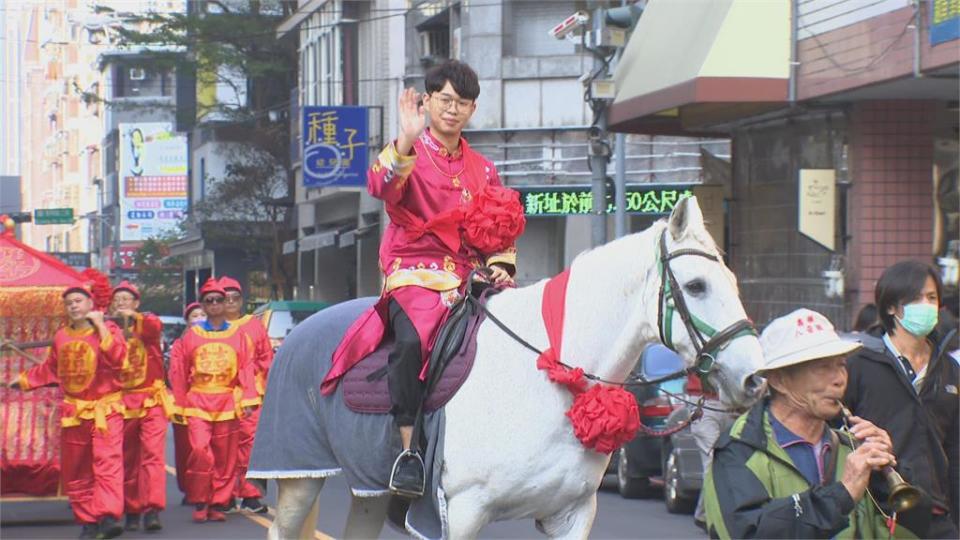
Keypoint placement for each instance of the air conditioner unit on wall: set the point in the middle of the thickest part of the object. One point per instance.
(137, 74)
(425, 47)
(434, 44)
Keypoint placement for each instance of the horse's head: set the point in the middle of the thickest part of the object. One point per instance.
(699, 312)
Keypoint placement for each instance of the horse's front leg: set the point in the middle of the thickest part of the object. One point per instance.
(574, 523)
(466, 516)
(298, 505)
(366, 517)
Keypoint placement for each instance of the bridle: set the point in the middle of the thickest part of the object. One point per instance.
(707, 341)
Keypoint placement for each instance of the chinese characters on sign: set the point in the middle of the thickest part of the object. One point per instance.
(650, 199)
(334, 146)
(51, 216)
(944, 21)
(153, 179)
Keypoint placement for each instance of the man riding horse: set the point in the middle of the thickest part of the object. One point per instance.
(447, 217)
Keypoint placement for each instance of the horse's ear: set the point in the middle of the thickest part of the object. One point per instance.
(686, 214)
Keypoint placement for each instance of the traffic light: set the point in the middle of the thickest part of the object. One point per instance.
(20, 217)
(609, 193)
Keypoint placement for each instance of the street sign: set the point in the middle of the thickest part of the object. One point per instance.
(335, 146)
(645, 199)
(53, 216)
(78, 260)
(817, 208)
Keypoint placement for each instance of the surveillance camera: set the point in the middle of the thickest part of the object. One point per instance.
(571, 24)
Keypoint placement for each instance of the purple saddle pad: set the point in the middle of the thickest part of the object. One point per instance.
(373, 397)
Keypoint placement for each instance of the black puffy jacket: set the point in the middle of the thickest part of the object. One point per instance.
(925, 428)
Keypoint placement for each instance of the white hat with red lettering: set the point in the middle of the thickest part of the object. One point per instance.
(801, 336)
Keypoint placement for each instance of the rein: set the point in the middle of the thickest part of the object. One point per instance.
(636, 381)
(707, 341)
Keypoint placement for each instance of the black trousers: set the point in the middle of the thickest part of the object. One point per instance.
(403, 373)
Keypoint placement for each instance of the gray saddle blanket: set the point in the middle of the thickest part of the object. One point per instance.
(303, 434)
(365, 385)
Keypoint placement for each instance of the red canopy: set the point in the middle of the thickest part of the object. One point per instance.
(23, 266)
(31, 309)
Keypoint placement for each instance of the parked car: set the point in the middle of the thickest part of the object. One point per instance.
(638, 464)
(682, 466)
(682, 462)
(281, 316)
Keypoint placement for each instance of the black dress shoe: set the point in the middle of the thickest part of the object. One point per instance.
(109, 528)
(89, 531)
(253, 504)
(151, 521)
(133, 522)
(228, 508)
(407, 478)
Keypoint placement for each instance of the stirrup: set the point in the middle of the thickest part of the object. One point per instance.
(407, 478)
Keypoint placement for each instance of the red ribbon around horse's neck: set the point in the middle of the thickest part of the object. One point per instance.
(554, 309)
(603, 417)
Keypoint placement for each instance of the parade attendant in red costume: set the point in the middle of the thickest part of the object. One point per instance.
(253, 328)
(449, 214)
(193, 314)
(211, 374)
(147, 405)
(85, 361)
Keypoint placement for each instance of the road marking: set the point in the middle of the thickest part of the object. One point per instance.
(256, 518)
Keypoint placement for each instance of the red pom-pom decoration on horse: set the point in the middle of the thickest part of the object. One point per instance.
(604, 418)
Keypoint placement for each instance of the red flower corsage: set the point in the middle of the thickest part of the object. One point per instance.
(494, 219)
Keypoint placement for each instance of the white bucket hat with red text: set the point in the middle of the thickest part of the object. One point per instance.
(801, 336)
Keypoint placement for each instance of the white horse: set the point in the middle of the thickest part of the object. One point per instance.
(509, 451)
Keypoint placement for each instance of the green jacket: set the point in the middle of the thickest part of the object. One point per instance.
(753, 490)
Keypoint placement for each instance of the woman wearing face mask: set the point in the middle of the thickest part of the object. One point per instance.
(904, 381)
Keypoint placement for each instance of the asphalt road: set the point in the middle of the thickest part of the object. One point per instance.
(616, 518)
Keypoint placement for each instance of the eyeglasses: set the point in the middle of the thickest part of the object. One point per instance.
(446, 102)
(213, 300)
(234, 298)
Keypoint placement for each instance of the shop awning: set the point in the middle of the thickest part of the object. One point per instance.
(693, 64)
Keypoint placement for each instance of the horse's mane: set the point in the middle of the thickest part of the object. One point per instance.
(623, 252)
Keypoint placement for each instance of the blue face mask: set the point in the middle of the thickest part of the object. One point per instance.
(919, 319)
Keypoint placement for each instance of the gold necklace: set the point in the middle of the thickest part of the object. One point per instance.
(455, 177)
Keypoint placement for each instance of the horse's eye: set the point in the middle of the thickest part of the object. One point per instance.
(696, 287)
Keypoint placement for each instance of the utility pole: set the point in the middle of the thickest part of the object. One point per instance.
(607, 36)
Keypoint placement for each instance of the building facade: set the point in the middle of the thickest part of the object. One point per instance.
(531, 120)
(843, 123)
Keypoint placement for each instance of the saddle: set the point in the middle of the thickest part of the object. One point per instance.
(451, 359)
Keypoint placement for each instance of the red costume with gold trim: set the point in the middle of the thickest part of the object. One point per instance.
(148, 405)
(424, 254)
(86, 368)
(253, 328)
(181, 438)
(211, 373)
